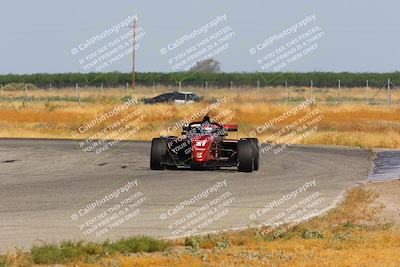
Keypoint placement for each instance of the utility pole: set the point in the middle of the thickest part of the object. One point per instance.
(287, 92)
(49, 94)
(133, 54)
(389, 97)
(26, 95)
(78, 95)
(206, 88)
(366, 90)
(338, 96)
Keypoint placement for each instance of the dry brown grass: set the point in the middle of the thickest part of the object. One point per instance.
(347, 124)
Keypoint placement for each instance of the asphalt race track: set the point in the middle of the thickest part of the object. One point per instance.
(51, 190)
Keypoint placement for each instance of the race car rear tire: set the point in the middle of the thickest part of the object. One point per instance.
(245, 156)
(157, 154)
(255, 145)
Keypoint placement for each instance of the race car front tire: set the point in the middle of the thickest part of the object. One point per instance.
(245, 156)
(255, 145)
(157, 154)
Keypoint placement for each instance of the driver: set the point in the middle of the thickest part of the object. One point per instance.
(206, 125)
(206, 119)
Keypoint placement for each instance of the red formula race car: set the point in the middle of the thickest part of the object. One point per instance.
(203, 145)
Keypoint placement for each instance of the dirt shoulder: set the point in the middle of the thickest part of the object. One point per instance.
(389, 201)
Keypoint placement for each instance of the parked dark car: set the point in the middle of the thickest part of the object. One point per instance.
(174, 97)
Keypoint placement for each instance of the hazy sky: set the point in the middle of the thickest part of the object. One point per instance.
(37, 36)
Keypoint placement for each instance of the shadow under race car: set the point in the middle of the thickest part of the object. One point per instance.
(203, 145)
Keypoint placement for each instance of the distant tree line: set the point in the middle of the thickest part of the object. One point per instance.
(111, 79)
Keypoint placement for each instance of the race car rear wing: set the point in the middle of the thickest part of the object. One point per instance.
(230, 127)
